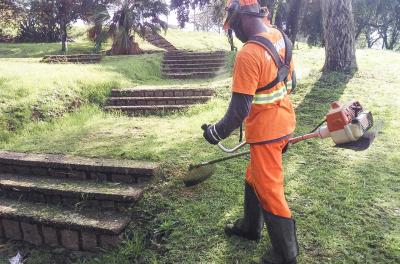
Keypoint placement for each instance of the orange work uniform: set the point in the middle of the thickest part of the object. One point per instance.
(270, 123)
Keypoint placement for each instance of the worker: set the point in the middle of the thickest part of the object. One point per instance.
(260, 98)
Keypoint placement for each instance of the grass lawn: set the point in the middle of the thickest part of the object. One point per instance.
(346, 203)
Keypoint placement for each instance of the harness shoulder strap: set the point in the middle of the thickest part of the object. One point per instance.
(288, 47)
(269, 47)
(283, 66)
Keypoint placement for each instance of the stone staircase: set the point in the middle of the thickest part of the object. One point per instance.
(159, 41)
(65, 201)
(193, 65)
(156, 101)
(77, 58)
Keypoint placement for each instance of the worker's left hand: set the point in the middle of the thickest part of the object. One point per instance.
(210, 134)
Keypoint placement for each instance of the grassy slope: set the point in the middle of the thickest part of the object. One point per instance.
(187, 40)
(346, 203)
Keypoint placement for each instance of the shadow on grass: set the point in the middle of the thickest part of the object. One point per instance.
(219, 199)
(314, 106)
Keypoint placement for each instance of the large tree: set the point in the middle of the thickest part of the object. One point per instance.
(68, 11)
(135, 17)
(39, 23)
(96, 12)
(11, 13)
(338, 22)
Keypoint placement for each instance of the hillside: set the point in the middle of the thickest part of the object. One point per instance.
(346, 203)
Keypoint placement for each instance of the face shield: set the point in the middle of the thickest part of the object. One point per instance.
(236, 9)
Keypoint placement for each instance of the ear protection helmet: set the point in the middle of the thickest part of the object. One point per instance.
(236, 8)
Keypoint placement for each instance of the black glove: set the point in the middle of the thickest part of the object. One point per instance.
(211, 134)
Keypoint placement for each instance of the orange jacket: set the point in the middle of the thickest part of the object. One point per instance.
(271, 115)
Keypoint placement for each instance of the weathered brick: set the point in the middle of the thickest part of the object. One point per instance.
(60, 173)
(110, 241)
(24, 170)
(108, 204)
(53, 199)
(6, 168)
(207, 92)
(14, 195)
(139, 179)
(198, 93)
(178, 93)
(37, 171)
(100, 177)
(70, 201)
(50, 236)
(138, 94)
(122, 206)
(31, 233)
(37, 197)
(171, 102)
(70, 239)
(11, 229)
(159, 93)
(125, 178)
(2, 235)
(77, 175)
(89, 241)
(92, 204)
(148, 93)
(189, 93)
(168, 93)
(151, 102)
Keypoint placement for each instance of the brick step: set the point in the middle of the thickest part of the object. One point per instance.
(73, 56)
(165, 92)
(189, 53)
(193, 61)
(192, 75)
(194, 65)
(194, 57)
(78, 168)
(146, 110)
(193, 70)
(70, 193)
(131, 101)
(41, 224)
(71, 61)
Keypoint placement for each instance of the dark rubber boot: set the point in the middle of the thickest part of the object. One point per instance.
(282, 233)
(250, 226)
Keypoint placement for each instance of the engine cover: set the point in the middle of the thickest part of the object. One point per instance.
(346, 122)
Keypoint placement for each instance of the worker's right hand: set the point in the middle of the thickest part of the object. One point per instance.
(210, 134)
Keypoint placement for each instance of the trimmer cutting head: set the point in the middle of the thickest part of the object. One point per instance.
(198, 174)
(364, 142)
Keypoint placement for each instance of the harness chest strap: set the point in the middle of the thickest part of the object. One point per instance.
(283, 70)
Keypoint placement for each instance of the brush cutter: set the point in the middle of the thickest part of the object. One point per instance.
(348, 125)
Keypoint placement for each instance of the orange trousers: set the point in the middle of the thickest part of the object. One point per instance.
(265, 174)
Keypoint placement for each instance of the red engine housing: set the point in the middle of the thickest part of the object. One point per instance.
(341, 115)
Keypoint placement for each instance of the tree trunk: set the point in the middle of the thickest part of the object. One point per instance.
(98, 35)
(338, 22)
(63, 28)
(293, 19)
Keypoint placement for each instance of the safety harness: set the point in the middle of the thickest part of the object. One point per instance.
(283, 65)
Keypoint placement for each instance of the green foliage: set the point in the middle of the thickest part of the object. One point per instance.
(138, 17)
(39, 23)
(183, 7)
